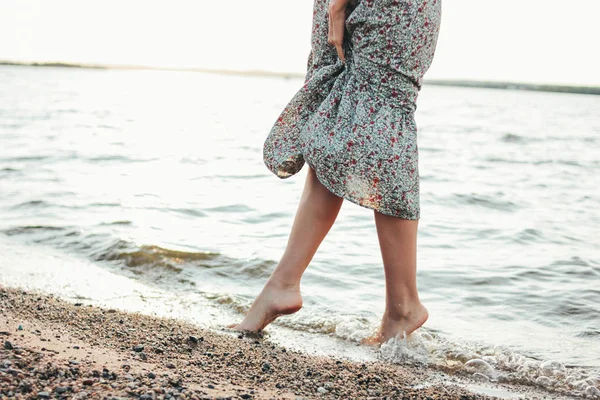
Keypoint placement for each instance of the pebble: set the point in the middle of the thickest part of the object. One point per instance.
(146, 397)
(61, 389)
(43, 395)
(8, 345)
(193, 339)
(170, 365)
(151, 375)
(88, 382)
(322, 390)
(138, 348)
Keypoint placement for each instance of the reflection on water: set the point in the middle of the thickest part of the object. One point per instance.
(158, 176)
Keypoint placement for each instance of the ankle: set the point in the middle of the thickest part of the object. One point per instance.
(403, 310)
(277, 283)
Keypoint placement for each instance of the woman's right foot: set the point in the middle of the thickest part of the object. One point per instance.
(273, 301)
(399, 324)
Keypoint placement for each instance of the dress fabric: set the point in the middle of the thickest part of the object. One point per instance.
(353, 122)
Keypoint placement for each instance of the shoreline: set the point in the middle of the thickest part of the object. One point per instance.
(51, 348)
(501, 85)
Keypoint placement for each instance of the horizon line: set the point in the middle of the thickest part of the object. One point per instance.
(504, 85)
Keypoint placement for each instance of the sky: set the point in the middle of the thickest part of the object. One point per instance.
(541, 41)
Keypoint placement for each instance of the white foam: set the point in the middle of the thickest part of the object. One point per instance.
(492, 364)
(414, 349)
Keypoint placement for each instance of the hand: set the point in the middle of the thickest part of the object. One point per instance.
(337, 24)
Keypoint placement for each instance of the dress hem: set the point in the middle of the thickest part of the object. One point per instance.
(355, 200)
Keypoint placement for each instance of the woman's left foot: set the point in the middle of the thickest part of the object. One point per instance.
(399, 325)
(273, 301)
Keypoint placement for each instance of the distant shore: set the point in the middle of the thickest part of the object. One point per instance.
(538, 87)
(50, 348)
(151, 68)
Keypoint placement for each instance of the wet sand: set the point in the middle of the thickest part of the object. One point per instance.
(51, 348)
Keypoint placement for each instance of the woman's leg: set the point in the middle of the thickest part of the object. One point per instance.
(403, 310)
(316, 214)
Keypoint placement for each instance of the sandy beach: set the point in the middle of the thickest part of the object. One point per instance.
(55, 349)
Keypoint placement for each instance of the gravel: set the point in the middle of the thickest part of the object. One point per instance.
(192, 364)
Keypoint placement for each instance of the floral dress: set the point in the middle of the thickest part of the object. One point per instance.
(353, 122)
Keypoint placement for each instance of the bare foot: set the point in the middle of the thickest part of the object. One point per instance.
(273, 301)
(398, 325)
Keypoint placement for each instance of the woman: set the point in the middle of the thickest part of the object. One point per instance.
(353, 124)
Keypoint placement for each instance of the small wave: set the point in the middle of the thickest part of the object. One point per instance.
(29, 158)
(188, 211)
(252, 268)
(230, 208)
(574, 307)
(506, 160)
(124, 222)
(9, 169)
(118, 158)
(31, 203)
(571, 163)
(529, 235)
(32, 229)
(512, 138)
(486, 201)
(150, 260)
(589, 333)
(536, 274)
(432, 149)
(155, 256)
(572, 261)
(576, 266)
(104, 205)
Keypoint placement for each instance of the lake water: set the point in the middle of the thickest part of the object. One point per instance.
(147, 190)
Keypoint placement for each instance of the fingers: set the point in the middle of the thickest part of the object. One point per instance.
(337, 23)
(340, 52)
